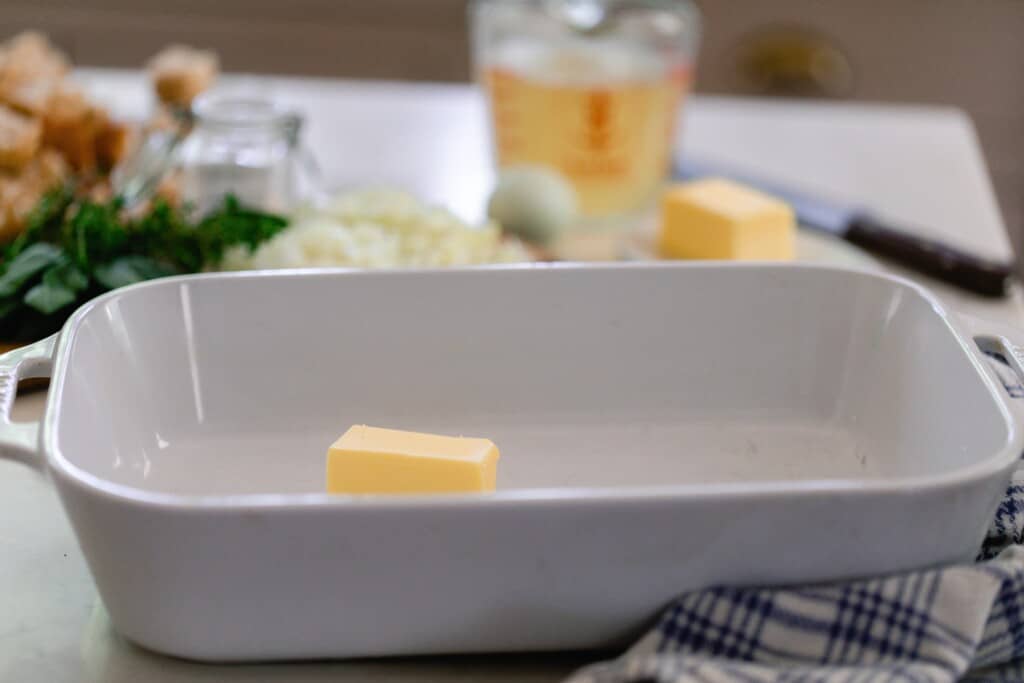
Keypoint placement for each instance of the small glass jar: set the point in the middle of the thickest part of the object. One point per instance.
(246, 147)
(590, 89)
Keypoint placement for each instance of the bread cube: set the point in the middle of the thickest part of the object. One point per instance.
(180, 73)
(20, 137)
(71, 125)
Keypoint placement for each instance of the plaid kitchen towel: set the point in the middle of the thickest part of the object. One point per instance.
(956, 623)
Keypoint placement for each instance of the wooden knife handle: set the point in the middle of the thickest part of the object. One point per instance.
(941, 261)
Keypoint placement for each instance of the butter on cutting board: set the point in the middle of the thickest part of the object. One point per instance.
(374, 460)
(720, 219)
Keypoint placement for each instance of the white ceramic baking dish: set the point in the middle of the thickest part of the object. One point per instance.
(662, 428)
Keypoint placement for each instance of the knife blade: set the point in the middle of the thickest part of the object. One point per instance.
(859, 226)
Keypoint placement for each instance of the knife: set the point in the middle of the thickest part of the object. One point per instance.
(860, 227)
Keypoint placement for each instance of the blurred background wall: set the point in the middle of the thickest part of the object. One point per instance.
(965, 53)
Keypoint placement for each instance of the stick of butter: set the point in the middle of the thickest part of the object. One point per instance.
(721, 219)
(374, 460)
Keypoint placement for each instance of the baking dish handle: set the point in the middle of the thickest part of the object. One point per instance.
(1004, 343)
(20, 440)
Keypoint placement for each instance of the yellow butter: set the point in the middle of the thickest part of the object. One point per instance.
(721, 219)
(374, 460)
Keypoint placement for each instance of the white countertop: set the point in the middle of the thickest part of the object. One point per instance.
(919, 166)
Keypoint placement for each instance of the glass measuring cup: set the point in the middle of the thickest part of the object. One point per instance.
(590, 89)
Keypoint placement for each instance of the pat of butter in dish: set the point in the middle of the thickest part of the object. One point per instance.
(374, 460)
(720, 219)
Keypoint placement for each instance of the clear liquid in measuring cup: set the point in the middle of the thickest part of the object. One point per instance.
(602, 112)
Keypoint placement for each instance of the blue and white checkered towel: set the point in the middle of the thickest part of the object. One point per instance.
(957, 623)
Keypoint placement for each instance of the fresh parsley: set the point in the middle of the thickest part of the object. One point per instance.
(74, 249)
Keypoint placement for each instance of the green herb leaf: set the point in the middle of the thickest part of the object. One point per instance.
(165, 235)
(96, 233)
(74, 248)
(47, 298)
(128, 270)
(233, 225)
(29, 263)
(59, 288)
(70, 275)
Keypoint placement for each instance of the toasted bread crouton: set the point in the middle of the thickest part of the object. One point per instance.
(16, 203)
(71, 125)
(19, 138)
(100, 192)
(67, 102)
(169, 189)
(10, 227)
(26, 95)
(113, 141)
(30, 69)
(180, 73)
(25, 198)
(47, 170)
(30, 56)
(20, 192)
